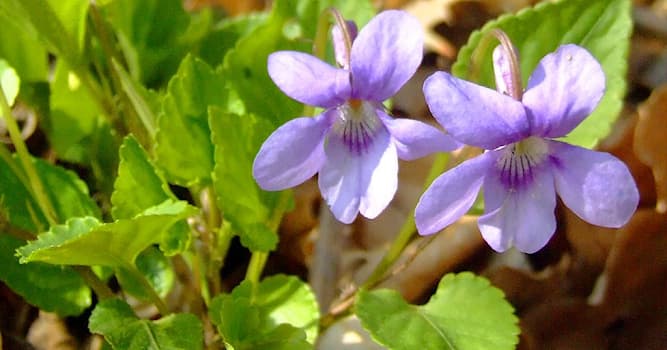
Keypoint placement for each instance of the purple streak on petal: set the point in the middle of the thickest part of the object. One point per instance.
(414, 139)
(292, 154)
(473, 114)
(563, 90)
(502, 71)
(385, 55)
(523, 218)
(451, 195)
(308, 79)
(339, 42)
(351, 182)
(594, 185)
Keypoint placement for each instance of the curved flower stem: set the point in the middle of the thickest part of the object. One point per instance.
(513, 58)
(407, 230)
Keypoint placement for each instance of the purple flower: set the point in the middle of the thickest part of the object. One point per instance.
(353, 144)
(523, 167)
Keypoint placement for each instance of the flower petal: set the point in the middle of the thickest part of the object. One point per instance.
(351, 183)
(473, 114)
(414, 139)
(451, 195)
(308, 79)
(523, 217)
(292, 154)
(564, 89)
(594, 185)
(385, 55)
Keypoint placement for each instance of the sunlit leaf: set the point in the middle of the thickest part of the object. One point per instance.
(184, 148)
(115, 319)
(465, 313)
(282, 314)
(81, 241)
(51, 288)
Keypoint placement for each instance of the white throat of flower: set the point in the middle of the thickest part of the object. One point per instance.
(518, 160)
(356, 125)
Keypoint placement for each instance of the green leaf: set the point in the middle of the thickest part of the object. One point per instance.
(22, 49)
(68, 194)
(86, 241)
(73, 15)
(158, 272)
(138, 185)
(359, 11)
(465, 313)
(144, 101)
(154, 36)
(51, 288)
(115, 320)
(74, 116)
(39, 18)
(17, 206)
(601, 26)
(245, 65)
(184, 148)
(225, 34)
(282, 314)
(9, 81)
(237, 139)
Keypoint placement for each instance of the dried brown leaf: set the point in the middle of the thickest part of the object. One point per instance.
(649, 141)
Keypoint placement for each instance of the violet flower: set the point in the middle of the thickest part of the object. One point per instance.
(353, 143)
(523, 167)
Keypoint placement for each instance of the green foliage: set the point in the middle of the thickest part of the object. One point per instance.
(22, 50)
(154, 36)
(72, 15)
(281, 313)
(224, 35)
(81, 240)
(144, 101)
(41, 20)
(74, 116)
(184, 148)
(157, 270)
(115, 320)
(237, 139)
(51, 288)
(65, 190)
(601, 26)
(245, 66)
(17, 205)
(138, 185)
(465, 313)
(9, 81)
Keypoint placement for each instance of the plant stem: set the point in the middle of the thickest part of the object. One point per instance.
(36, 186)
(100, 288)
(258, 258)
(152, 294)
(407, 230)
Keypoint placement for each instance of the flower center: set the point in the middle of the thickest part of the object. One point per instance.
(518, 160)
(357, 125)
